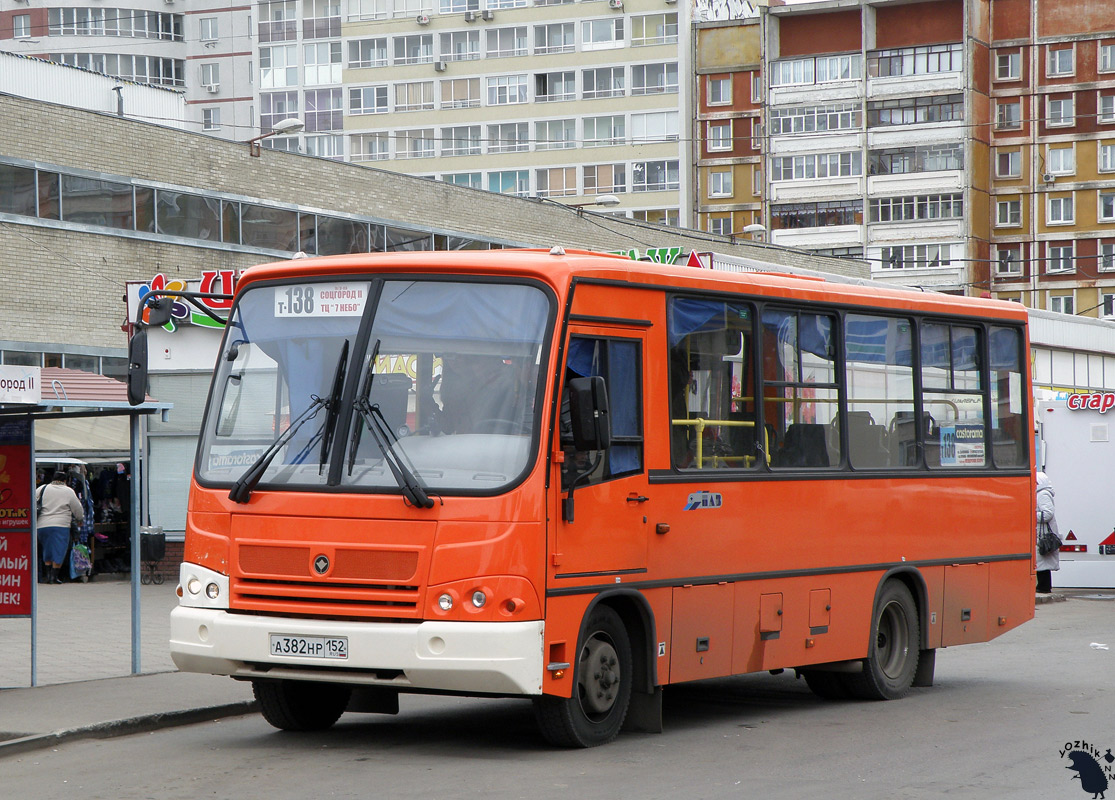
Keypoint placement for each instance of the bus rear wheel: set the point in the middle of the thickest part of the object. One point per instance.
(602, 687)
(892, 659)
(300, 705)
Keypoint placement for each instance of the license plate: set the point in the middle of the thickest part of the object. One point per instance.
(309, 646)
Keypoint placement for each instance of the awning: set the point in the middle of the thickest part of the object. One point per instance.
(83, 437)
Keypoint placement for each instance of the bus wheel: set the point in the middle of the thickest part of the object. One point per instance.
(827, 685)
(301, 705)
(892, 660)
(602, 690)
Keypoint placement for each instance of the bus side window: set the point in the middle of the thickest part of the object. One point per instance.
(712, 392)
(619, 362)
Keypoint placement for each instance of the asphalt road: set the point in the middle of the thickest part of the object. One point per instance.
(993, 726)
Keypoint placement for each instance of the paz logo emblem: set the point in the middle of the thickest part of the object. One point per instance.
(321, 564)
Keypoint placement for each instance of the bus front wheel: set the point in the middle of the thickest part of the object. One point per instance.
(300, 705)
(602, 687)
(892, 658)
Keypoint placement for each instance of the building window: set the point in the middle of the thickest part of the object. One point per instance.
(924, 60)
(506, 42)
(369, 9)
(552, 87)
(1008, 259)
(653, 29)
(720, 183)
(1107, 157)
(211, 74)
(1008, 115)
(813, 119)
(1061, 112)
(915, 256)
(211, 119)
(506, 90)
(917, 208)
(1107, 256)
(371, 146)
(473, 180)
(556, 134)
(275, 106)
(1061, 304)
(325, 112)
(816, 165)
(1008, 66)
(278, 66)
(415, 49)
(720, 226)
(460, 93)
(1062, 160)
(719, 91)
(1009, 213)
(1008, 164)
(654, 79)
(417, 143)
(1107, 108)
(1059, 211)
(278, 21)
(21, 26)
(605, 178)
(323, 63)
(460, 46)
(654, 126)
(414, 96)
(602, 82)
(601, 131)
(816, 215)
(1060, 61)
(326, 146)
(795, 72)
(1107, 58)
(463, 140)
(602, 34)
(556, 181)
(654, 176)
(512, 181)
(907, 160)
(558, 37)
(756, 87)
(508, 137)
(1107, 205)
(321, 19)
(720, 135)
(367, 53)
(915, 110)
(207, 29)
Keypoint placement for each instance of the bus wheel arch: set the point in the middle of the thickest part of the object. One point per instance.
(612, 665)
(895, 643)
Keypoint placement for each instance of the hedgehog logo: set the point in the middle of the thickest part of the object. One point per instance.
(1094, 771)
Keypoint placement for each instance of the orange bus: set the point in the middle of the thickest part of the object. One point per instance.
(579, 478)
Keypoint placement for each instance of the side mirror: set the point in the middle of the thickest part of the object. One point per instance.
(588, 407)
(137, 367)
(160, 314)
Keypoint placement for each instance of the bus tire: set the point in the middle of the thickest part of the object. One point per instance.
(300, 705)
(602, 687)
(892, 658)
(826, 685)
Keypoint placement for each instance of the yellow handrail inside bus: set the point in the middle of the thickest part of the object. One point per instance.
(700, 424)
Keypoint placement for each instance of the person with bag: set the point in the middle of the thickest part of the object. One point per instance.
(56, 505)
(1048, 536)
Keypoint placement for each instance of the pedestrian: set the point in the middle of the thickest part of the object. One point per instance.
(57, 506)
(1050, 561)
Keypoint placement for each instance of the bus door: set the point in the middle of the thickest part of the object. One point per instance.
(603, 529)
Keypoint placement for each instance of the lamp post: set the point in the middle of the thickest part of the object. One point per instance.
(751, 230)
(283, 126)
(603, 200)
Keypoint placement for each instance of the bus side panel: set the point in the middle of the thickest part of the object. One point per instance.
(931, 617)
(702, 632)
(965, 612)
(1012, 596)
(563, 625)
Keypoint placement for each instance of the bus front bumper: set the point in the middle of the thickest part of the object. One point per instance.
(458, 657)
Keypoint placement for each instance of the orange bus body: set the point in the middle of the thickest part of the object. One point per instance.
(712, 573)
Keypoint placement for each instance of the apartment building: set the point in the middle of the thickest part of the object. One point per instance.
(1052, 176)
(728, 127)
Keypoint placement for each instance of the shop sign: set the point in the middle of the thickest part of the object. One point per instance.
(657, 255)
(1099, 401)
(20, 384)
(16, 572)
(212, 281)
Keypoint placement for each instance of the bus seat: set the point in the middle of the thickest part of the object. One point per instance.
(391, 393)
(903, 437)
(804, 445)
(867, 442)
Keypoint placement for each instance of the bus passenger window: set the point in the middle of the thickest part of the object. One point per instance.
(953, 395)
(712, 387)
(879, 374)
(800, 393)
(619, 362)
(1009, 445)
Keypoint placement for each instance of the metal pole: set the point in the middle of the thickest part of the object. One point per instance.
(34, 557)
(134, 493)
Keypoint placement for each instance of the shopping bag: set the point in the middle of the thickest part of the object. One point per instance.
(81, 563)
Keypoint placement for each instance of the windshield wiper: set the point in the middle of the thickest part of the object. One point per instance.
(242, 490)
(412, 487)
(365, 389)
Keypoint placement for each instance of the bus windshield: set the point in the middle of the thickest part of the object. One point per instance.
(379, 386)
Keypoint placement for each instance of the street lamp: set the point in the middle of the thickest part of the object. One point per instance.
(603, 200)
(288, 125)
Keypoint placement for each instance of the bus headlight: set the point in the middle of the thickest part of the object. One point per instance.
(478, 599)
(193, 586)
(445, 602)
(212, 591)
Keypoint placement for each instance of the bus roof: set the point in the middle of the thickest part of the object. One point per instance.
(559, 267)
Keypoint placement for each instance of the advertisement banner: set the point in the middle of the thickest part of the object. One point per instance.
(15, 574)
(16, 564)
